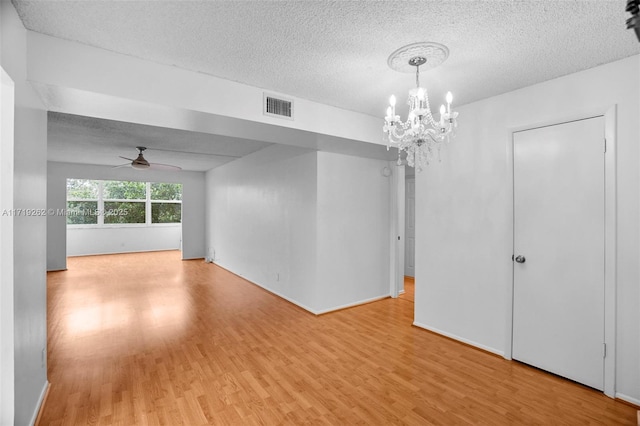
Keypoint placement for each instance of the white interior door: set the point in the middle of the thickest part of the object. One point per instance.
(558, 289)
(410, 228)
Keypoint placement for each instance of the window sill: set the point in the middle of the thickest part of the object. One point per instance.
(125, 225)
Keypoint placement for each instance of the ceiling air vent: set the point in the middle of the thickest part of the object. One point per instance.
(277, 107)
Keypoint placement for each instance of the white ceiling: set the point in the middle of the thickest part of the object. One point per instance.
(87, 140)
(335, 52)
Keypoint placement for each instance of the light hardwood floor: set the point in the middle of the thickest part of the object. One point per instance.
(149, 339)
(409, 290)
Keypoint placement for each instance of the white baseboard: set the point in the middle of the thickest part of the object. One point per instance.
(38, 407)
(460, 339)
(282, 296)
(351, 305)
(302, 305)
(288, 299)
(627, 398)
(124, 252)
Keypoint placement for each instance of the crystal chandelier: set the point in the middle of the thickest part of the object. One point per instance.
(421, 135)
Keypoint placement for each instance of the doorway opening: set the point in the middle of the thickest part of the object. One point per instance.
(408, 292)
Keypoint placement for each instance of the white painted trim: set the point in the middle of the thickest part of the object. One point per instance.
(302, 305)
(590, 112)
(43, 392)
(7, 326)
(123, 225)
(400, 211)
(120, 252)
(610, 250)
(393, 232)
(609, 113)
(351, 305)
(627, 398)
(510, 213)
(396, 229)
(295, 302)
(460, 339)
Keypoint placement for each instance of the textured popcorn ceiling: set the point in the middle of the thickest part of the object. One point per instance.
(335, 52)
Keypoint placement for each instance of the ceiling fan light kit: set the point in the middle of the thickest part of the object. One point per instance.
(140, 163)
(421, 135)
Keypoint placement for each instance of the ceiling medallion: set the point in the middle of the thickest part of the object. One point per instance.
(433, 53)
(420, 135)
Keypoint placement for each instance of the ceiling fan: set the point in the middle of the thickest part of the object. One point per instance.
(141, 164)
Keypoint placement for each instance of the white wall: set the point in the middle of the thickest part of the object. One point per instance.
(56, 225)
(353, 225)
(7, 362)
(122, 239)
(261, 220)
(69, 65)
(312, 227)
(61, 243)
(29, 232)
(463, 212)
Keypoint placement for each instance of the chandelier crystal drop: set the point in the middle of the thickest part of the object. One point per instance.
(421, 135)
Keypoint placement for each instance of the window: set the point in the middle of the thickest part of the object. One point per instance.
(96, 202)
(82, 202)
(124, 201)
(166, 203)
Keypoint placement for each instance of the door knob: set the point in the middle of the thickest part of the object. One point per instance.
(520, 259)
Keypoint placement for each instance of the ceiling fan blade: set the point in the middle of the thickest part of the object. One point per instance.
(122, 165)
(166, 167)
(125, 158)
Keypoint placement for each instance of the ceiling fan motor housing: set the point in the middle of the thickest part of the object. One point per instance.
(140, 162)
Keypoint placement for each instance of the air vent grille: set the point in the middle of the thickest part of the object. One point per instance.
(278, 107)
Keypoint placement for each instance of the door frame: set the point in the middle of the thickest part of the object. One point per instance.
(7, 344)
(610, 238)
(409, 178)
(396, 228)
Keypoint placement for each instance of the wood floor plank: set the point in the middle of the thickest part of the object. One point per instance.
(189, 343)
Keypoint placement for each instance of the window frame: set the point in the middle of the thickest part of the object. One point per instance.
(101, 201)
(76, 199)
(151, 201)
